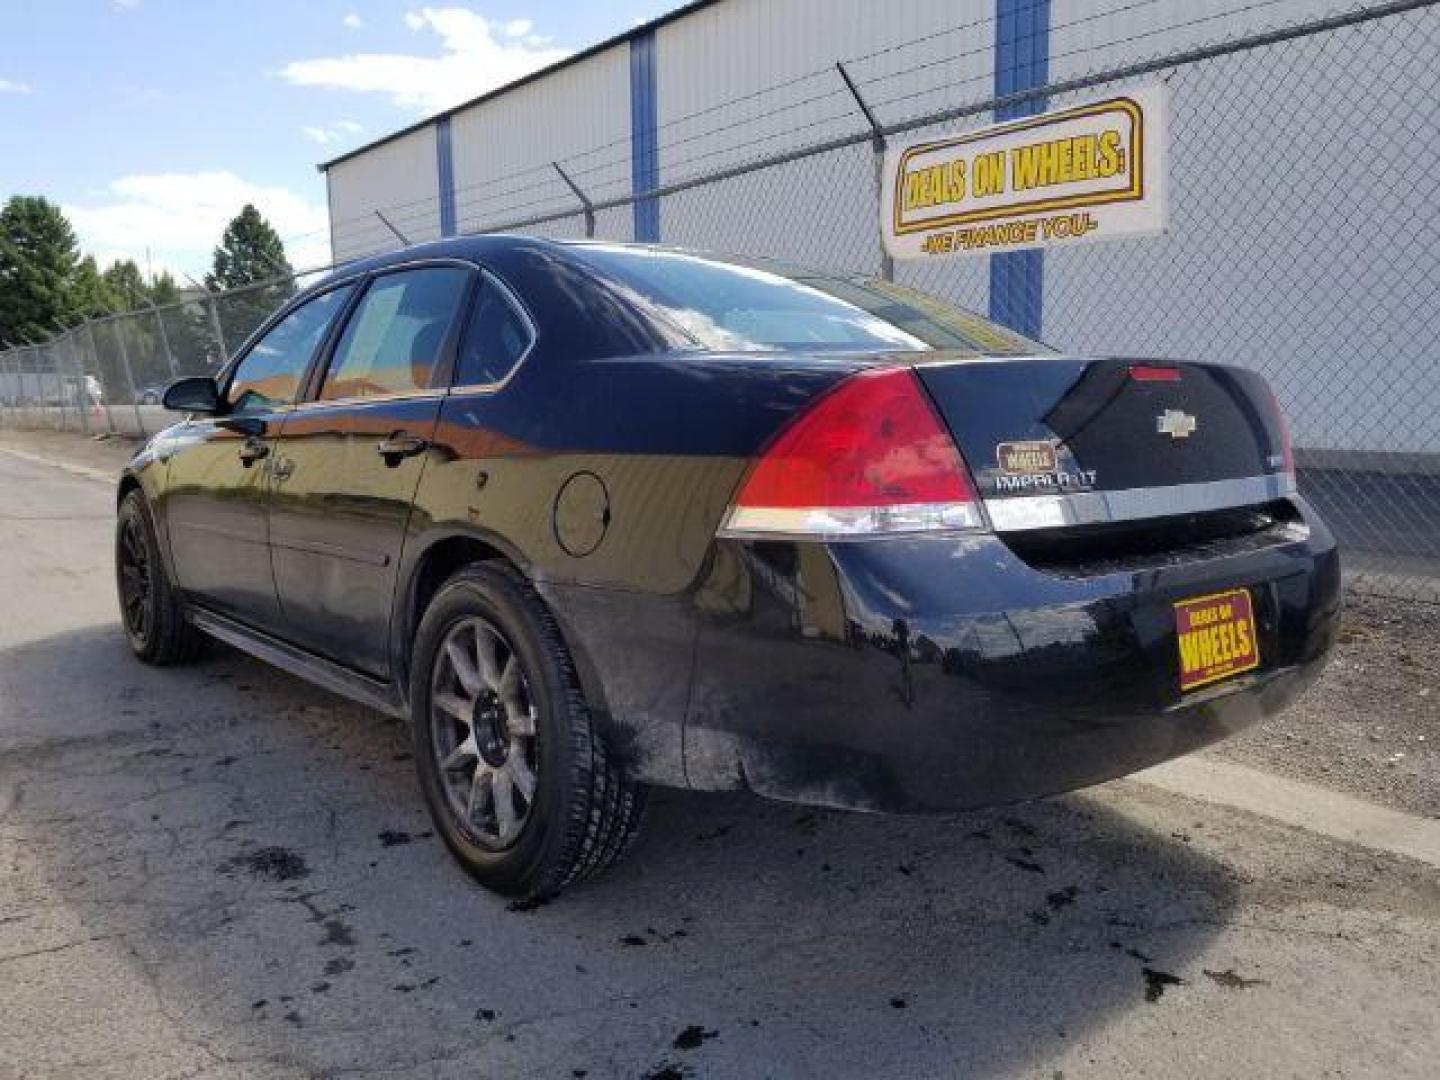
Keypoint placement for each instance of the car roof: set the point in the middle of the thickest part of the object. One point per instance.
(492, 245)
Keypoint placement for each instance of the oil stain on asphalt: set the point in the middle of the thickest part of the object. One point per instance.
(693, 1037)
(273, 863)
(1231, 981)
(1156, 982)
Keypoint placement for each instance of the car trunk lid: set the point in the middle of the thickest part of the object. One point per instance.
(1062, 441)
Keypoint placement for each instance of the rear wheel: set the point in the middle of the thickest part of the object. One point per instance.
(150, 610)
(516, 777)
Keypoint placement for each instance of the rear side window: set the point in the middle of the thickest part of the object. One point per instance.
(271, 372)
(393, 342)
(496, 338)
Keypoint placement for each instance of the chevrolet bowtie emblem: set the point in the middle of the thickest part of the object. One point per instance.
(1176, 424)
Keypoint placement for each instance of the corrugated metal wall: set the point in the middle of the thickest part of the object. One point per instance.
(401, 179)
(751, 78)
(503, 149)
(743, 80)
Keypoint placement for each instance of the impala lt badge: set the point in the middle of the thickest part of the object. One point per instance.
(1176, 424)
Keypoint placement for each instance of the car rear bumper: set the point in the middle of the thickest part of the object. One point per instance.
(943, 673)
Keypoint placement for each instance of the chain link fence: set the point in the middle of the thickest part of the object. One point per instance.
(1303, 241)
(107, 375)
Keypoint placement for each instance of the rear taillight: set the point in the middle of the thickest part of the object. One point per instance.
(869, 458)
(1282, 425)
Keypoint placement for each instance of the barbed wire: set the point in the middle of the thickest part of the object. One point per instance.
(474, 199)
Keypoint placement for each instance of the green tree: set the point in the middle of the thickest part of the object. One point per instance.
(163, 289)
(90, 294)
(250, 252)
(126, 285)
(38, 260)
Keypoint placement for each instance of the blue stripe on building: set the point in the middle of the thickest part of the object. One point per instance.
(445, 169)
(644, 144)
(1022, 61)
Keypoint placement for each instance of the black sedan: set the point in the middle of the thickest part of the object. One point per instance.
(596, 517)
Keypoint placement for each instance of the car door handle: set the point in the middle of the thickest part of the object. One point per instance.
(252, 450)
(399, 446)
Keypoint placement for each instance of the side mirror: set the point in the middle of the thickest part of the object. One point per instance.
(196, 394)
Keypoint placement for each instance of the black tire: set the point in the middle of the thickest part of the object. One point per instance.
(150, 610)
(584, 813)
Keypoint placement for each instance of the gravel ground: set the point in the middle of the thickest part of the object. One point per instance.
(1370, 727)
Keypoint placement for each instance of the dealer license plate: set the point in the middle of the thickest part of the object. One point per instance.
(1216, 636)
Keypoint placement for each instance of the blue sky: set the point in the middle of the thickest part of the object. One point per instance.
(152, 121)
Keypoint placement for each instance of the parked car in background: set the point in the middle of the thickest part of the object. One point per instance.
(598, 516)
(149, 395)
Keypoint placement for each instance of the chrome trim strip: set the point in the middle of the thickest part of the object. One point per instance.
(1132, 504)
(372, 399)
(850, 522)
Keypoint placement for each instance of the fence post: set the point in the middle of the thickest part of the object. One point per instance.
(48, 358)
(82, 388)
(22, 364)
(877, 146)
(95, 361)
(214, 307)
(17, 385)
(164, 339)
(71, 336)
(11, 397)
(585, 204)
(53, 362)
(129, 377)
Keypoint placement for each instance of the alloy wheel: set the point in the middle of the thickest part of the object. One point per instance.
(137, 586)
(482, 727)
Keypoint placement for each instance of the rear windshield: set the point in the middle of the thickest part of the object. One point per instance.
(732, 306)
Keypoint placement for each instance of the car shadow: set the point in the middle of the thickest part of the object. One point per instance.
(254, 855)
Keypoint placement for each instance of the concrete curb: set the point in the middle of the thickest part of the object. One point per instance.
(1305, 806)
(77, 470)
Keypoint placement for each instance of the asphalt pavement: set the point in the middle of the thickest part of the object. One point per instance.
(220, 871)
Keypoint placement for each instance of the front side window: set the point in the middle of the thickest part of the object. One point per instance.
(394, 341)
(270, 374)
(496, 338)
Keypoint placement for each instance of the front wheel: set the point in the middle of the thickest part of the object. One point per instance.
(150, 610)
(515, 775)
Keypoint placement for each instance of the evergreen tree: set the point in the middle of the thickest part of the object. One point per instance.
(250, 251)
(38, 261)
(126, 285)
(163, 289)
(90, 295)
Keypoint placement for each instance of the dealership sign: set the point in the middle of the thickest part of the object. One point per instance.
(1094, 171)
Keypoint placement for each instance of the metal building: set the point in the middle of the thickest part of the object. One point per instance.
(1302, 167)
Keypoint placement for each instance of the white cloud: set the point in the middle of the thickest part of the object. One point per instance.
(334, 133)
(126, 5)
(518, 28)
(10, 86)
(353, 20)
(179, 217)
(473, 61)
